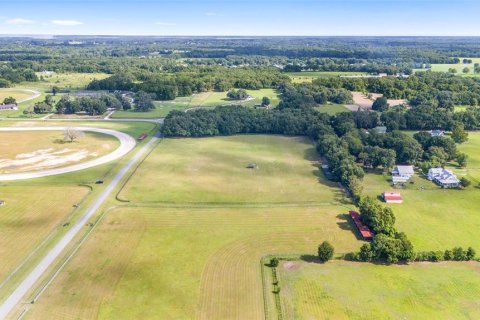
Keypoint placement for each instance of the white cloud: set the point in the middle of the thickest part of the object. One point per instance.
(165, 24)
(18, 21)
(66, 23)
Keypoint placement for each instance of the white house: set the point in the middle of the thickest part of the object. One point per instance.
(436, 133)
(443, 177)
(402, 174)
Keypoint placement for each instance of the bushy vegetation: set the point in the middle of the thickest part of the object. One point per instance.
(325, 251)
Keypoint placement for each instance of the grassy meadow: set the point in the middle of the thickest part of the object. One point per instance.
(332, 109)
(200, 100)
(18, 94)
(344, 290)
(213, 170)
(439, 67)
(167, 263)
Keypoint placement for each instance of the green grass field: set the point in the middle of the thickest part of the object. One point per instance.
(72, 81)
(459, 67)
(332, 109)
(200, 100)
(343, 290)
(309, 76)
(189, 243)
(213, 170)
(18, 94)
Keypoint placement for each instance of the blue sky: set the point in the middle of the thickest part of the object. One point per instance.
(241, 17)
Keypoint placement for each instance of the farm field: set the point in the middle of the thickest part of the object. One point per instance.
(29, 215)
(27, 151)
(72, 81)
(332, 109)
(213, 170)
(18, 94)
(169, 263)
(309, 76)
(427, 215)
(344, 290)
(200, 100)
(188, 258)
(459, 67)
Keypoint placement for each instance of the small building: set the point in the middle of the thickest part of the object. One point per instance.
(8, 106)
(401, 174)
(437, 133)
(252, 166)
(380, 130)
(365, 232)
(443, 177)
(392, 197)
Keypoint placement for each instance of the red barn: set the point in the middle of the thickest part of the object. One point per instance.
(392, 197)
(366, 233)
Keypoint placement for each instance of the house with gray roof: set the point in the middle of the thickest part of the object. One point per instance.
(443, 177)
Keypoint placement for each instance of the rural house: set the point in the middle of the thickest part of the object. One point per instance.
(443, 177)
(437, 133)
(392, 197)
(402, 174)
(8, 107)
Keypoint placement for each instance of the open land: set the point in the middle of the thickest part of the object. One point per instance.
(345, 290)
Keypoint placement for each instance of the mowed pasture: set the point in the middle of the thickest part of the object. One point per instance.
(167, 263)
(344, 290)
(208, 99)
(30, 151)
(29, 215)
(214, 171)
(436, 218)
(18, 94)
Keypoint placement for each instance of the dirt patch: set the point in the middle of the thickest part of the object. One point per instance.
(362, 101)
(44, 158)
(291, 266)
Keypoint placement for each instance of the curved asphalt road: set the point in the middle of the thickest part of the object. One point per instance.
(127, 143)
(32, 278)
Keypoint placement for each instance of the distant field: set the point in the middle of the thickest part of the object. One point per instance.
(28, 151)
(343, 290)
(67, 80)
(200, 100)
(213, 170)
(18, 94)
(309, 76)
(332, 109)
(459, 67)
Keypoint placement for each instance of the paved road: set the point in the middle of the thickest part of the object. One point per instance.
(55, 252)
(127, 143)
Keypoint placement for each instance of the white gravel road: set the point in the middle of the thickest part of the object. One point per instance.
(127, 143)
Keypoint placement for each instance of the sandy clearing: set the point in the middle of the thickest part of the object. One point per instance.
(362, 101)
(127, 143)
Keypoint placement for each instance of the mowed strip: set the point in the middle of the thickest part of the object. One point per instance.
(344, 290)
(29, 215)
(214, 171)
(184, 263)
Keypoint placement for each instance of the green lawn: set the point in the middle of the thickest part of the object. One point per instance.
(332, 109)
(166, 263)
(200, 100)
(213, 170)
(459, 67)
(343, 290)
